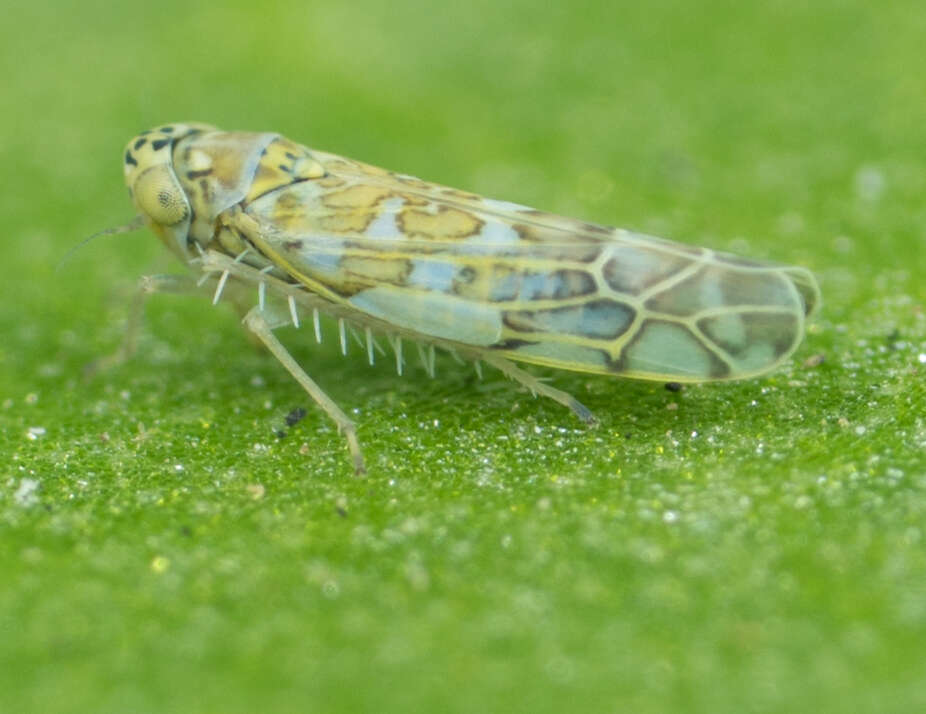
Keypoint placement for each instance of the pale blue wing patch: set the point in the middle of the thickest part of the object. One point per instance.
(495, 232)
(384, 225)
(537, 287)
(434, 315)
(436, 275)
(600, 319)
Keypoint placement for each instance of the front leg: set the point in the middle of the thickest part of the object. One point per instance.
(147, 286)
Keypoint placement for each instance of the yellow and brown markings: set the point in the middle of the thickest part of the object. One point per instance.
(220, 160)
(411, 181)
(349, 167)
(197, 163)
(344, 272)
(534, 225)
(284, 162)
(444, 224)
(508, 283)
(370, 271)
(344, 223)
(216, 171)
(351, 209)
(370, 170)
(392, 253)
(533, 233)
(341, 211)
(356, 197)
(349, 212)
(141, 150)
(331, 181)
(455, 194)
(563, 291)
(201, 194)
(498, 281)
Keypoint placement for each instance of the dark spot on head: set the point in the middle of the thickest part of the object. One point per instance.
(129, 159)
(166, 129)
(159, 144)
(193, 175)
(140, 143)
(283, 167)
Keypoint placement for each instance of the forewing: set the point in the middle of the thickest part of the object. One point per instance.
(453, 266)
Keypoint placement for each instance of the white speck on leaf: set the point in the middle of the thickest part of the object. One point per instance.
(25, 495)
(34, 432)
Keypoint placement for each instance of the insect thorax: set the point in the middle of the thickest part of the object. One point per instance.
(184, 177)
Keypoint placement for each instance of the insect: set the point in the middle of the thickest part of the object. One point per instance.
(285, 232)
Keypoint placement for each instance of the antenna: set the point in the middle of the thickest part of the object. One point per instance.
(133, 225)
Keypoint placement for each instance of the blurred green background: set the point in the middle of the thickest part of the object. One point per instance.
(748, 547)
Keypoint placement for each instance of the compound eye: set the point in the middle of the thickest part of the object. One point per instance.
(158, 195)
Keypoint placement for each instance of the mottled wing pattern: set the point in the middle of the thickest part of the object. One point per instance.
(453, 266)
(532, 286)
(413, 259)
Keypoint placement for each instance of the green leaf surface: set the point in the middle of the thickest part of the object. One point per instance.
(169, 544)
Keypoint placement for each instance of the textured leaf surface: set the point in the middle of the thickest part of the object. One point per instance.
(755, 546)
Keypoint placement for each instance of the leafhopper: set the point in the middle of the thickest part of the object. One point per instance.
(286, 232)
